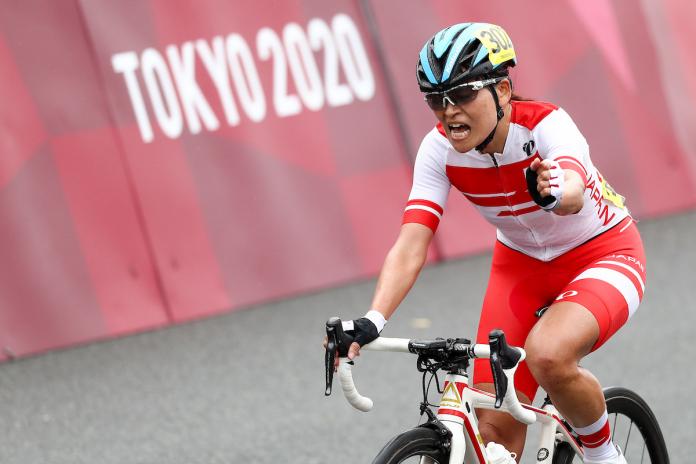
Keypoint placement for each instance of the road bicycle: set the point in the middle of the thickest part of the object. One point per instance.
(451, 435)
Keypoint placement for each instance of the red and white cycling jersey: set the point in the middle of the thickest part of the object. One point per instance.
(496, 184)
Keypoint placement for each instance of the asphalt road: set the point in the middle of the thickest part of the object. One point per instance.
(247, 387)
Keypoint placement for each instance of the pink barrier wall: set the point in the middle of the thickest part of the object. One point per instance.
(162, 163)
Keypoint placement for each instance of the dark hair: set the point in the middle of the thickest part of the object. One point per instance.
(519, 98)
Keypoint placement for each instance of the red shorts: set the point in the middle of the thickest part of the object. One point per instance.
(606, 275)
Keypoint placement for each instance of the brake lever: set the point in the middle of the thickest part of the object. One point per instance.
(337, 341)
(329, 357)
(499, 379)
(502, 357)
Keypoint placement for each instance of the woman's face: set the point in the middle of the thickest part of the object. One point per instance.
(468, 124)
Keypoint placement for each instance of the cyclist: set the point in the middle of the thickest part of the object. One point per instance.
(564, 238)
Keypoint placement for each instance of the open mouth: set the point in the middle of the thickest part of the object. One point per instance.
(459, 131)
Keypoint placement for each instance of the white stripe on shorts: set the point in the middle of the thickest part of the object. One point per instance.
(629, 268)
(617, 280)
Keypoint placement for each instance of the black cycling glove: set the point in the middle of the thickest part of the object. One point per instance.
(362, 330)
(547, 202)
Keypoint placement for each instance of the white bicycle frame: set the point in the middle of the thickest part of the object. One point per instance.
(456, 410)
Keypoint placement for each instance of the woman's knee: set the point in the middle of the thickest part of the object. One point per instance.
(558, 341)
(550, 363)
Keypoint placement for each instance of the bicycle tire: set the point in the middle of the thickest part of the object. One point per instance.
(420, 441)
(629, 404)
(563, 453)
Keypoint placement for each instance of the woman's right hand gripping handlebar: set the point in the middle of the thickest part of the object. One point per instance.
(359, 332)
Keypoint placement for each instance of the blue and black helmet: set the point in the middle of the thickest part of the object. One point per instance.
(462, 53)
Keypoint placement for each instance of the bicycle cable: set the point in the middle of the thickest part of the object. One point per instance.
(426, 366)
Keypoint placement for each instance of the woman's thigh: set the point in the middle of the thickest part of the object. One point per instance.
(611, 286)
(517, 287)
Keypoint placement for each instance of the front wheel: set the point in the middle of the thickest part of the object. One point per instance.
(633, 427)
(416, 446)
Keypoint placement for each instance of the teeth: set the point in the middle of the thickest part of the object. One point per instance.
(459, 132)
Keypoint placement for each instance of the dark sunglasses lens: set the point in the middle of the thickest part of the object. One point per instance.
(462, 95)
(434, 101)
(457, 96)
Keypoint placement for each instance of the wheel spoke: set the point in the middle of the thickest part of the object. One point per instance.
(628, 437)
(642, 454)
(635, 411)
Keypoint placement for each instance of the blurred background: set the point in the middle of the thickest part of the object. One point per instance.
(167, 161)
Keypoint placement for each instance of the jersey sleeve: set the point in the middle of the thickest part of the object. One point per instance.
(559, 139)
(428, 197)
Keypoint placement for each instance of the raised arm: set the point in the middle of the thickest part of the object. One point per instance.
(562, 169)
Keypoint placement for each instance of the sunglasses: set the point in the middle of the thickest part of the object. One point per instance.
(459, 95)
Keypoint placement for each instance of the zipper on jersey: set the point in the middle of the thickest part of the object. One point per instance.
(495, 161)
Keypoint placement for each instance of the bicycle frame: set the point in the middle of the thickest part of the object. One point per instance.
(457, 413)
(457, 406)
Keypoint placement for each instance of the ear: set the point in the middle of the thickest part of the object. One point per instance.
(504, 90)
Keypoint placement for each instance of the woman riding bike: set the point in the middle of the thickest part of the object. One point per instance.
(565, 240)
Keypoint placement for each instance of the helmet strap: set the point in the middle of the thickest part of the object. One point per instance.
(499, 112)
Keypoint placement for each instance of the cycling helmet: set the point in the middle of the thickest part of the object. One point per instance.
(462, 53)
